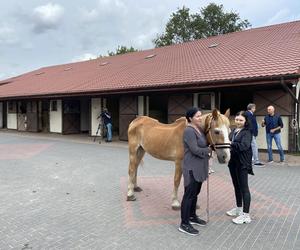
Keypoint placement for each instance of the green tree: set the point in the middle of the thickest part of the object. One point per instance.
(211, 21)
(121, 50)
(179, 29)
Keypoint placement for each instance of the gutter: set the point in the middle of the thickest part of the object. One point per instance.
(173, 87)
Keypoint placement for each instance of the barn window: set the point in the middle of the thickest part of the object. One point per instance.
(206, 101)
(22, 107)
(71, 107)
(11, 107)
(53, 105)
(29, 106)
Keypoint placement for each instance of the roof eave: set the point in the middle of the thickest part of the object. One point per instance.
(262, 80)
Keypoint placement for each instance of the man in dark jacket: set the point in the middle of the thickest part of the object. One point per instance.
(254, 131)
(106, 118)
(274, 124)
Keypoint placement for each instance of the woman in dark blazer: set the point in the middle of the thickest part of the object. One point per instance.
(240, 165)
(194, 169)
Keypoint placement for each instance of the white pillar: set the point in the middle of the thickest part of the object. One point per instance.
(141, 107)
(95, 112)
(1, 114)
(12, 115)
(55, 116)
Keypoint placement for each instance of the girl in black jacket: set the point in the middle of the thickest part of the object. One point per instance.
(240, 165)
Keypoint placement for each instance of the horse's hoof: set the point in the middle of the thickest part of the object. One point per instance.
(176, 208)
(137, 189)
(131, 198)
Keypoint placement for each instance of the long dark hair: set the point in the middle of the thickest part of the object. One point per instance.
(243, 113)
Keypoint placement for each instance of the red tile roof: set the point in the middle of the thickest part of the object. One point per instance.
(260, 52)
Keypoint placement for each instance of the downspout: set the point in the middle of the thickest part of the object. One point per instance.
(297, 118)
(294, 121)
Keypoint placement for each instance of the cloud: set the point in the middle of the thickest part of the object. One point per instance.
(3, 76)
(47, 17)
(8, 36)
(282, 14)
(145, 40)
(112, 5)
(89, 15)
(84, 57)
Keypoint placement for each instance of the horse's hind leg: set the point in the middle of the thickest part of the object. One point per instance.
(140, 154)
(135, 156)
(177, 178)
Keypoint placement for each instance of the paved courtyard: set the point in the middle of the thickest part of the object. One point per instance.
(61, 193)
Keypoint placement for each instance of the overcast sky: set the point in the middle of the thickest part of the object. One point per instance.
(35, 33)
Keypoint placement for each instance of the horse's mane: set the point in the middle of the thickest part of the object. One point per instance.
(180, 119)
(224, 120)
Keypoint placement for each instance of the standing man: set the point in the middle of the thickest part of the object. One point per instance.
(254, 131)
(106, 118)
(274, 124)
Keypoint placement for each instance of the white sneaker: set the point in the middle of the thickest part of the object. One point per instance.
(210, 170)
(243, 218)
(235, 211)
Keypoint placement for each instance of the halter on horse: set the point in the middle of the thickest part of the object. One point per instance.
(215, 143)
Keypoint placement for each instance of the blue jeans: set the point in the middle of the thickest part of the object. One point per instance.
(277, 139)
(254, 150)
(109, 131)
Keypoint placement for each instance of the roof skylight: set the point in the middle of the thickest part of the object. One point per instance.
(104, 63)
(150, 56)
(213, 45)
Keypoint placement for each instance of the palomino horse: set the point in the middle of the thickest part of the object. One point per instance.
(165, 142)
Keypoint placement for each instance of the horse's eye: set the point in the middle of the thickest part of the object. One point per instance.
(217, 132)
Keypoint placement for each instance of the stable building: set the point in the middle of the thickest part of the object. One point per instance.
(260, 66)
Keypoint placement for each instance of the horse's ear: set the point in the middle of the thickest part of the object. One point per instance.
(215, 114)
(227, 113)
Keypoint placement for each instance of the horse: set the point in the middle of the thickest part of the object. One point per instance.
(165, 142)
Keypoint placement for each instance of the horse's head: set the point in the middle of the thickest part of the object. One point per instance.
(217, 128)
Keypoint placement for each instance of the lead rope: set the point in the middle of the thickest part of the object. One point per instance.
(207, 189)
(207, 201)
(207, 183)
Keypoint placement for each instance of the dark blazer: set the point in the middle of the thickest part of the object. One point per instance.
(195, 155)
(253, 123)
(241, 152)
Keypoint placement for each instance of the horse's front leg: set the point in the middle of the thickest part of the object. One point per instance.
(177, 178)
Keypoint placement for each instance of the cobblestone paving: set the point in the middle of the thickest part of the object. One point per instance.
(64, 194)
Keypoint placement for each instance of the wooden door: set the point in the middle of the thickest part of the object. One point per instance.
(32, 116)
(178, 105)
(71, 117)
(128, 111)
(22, 123)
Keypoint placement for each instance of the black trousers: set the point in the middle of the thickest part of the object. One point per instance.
(189, 200)
(240, 182)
